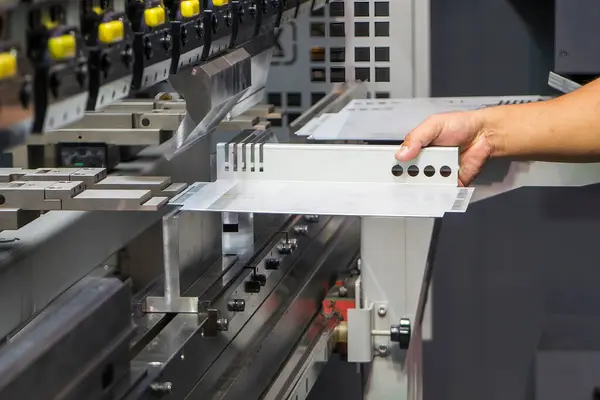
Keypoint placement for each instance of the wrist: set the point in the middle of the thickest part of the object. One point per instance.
(489, 121)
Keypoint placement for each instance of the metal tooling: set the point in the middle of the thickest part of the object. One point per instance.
(34, 366)
(83, 189)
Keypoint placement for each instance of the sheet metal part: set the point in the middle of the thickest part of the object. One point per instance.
(358, 180)
(393, 119)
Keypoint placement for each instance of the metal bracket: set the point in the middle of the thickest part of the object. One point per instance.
(359, 180)
(171, 301)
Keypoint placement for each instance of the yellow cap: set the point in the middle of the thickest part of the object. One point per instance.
(190, 8)
(220, 3)
(8, 64)
(62, 47)
(154, 16)
(111, 32)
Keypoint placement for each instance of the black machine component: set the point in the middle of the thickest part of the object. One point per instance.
(88, 155)
(401, 333)
(576, 54)
(56, 49)
(97, 309)
(187, 31)
(218, 27)
(152, 43)
(109, 38)
(16, 109)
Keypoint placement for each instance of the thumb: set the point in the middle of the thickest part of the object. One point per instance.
(420, 137)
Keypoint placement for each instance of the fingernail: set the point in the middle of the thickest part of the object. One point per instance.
(402, 152)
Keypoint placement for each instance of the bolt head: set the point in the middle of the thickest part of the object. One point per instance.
(381, 311)
(343, 291)
(382, 349)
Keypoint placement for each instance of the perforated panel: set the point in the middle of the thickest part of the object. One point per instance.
(344, 41)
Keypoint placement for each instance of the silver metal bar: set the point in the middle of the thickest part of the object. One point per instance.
(170, 229)
(117, 137)
(562, 84)
(171, 302)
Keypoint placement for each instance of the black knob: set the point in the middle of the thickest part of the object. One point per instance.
(252, 287)
(236, 305)
(272, 263)
(401, 333)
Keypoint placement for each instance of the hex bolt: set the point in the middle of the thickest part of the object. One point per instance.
(222, 324)
(161, 387)
(236, 305)
(381, 311)
(301, 229)
(343, 292)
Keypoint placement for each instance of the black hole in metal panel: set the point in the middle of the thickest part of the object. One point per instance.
(429, 171)
(445, 171)
(231, 228)
(397, 170)
(413, 170)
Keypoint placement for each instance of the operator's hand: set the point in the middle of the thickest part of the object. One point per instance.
(463, 129)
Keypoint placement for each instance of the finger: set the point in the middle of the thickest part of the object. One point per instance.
(420, 137)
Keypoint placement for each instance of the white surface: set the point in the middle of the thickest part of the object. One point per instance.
(391, 119)
(329, 198)
(332, 163)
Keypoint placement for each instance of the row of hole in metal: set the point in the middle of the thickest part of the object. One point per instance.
(428, 171)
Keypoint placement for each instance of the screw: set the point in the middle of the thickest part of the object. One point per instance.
(382, 349)
(222, 324)
(161, 387)
(343, 291)
(182, 357)
(382, 311)
(301, 229)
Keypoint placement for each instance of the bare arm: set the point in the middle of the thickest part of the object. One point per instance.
(563, 129)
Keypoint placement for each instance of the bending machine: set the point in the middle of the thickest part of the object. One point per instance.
(172, 245)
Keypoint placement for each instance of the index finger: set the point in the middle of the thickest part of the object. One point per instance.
(419, 137)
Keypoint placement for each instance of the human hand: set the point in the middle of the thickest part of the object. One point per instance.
(463, 129)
